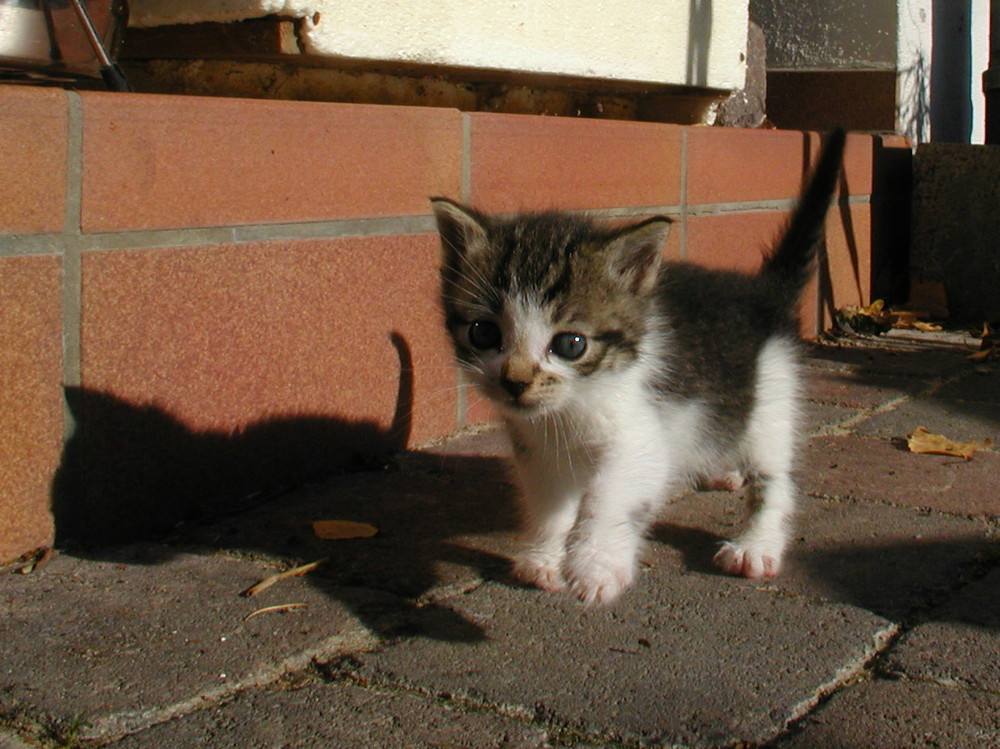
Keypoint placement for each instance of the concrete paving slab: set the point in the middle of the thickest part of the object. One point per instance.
(958, 420)
(861, 391)
(982, 385)
(901, 714)
(126, 643)
(876, 470)
(443, 520)
(961, 646)
(11, 741)
(891, 358)
(691, 659)
(823, 417)
(310, 714)
(894, 562)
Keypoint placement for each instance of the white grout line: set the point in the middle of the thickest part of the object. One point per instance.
(72, 273)
(71, 239)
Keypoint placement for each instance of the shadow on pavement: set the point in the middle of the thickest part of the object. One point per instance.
(132, 473)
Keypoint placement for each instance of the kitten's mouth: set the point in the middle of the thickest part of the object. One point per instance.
(518, 407)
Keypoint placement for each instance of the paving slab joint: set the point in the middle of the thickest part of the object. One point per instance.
(126, 722)
(349, 670)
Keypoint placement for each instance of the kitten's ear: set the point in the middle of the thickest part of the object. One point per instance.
(461, 229)
(634, 254)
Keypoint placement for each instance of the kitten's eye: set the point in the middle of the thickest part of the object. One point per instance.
(484, 335)
(568, 345)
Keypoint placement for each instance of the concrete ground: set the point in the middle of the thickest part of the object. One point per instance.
(882, 631)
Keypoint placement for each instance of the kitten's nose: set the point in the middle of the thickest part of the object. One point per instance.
(514, 387)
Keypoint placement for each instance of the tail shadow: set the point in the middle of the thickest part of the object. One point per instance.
(132, 472)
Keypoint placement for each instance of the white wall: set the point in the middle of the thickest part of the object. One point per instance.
(680, 42)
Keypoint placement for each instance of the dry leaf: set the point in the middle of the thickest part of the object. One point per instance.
(989, 345)
(35, 559)
(273, 609)
(336, 530)
(904, 318)
(872, 319)
(267, 582)
(924, 442)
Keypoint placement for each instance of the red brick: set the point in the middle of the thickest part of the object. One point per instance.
(848, 253)
(734, 241)
(732, 165)
(154, 162)
(224, 337)
(530, 162)
(858, 172)
(33, 128)
(31, 422)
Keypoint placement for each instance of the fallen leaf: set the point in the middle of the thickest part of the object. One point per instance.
(336, 530)
(904, 318)
(35, 559)
(274, 609)
(869, 320)
(924, 442)
(267, 582)
(989, 345)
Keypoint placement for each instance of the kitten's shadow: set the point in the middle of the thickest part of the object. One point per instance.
(137, 484)
(696, 545)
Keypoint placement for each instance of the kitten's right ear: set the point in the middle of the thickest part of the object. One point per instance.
(462, 229)
(635, 253)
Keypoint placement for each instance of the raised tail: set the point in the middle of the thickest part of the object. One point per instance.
(792, 260)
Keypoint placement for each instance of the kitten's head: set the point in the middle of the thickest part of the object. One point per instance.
(540, 304)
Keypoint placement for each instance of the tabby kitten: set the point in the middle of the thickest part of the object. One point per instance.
(622, 378)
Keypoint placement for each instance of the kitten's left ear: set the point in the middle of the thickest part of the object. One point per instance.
(462, 229)
(634, 254)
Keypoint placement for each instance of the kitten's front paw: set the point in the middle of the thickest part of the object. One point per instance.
(731, 481)
(598, 578)
(748, 560)
(540, 570)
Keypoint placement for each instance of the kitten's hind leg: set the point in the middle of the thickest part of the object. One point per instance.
(769, 445)
(758, 551)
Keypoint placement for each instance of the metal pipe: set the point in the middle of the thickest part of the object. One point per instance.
(110, 72)
(991, 79)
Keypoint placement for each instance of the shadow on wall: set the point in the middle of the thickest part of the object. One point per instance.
(132, 472)
(699, 36)
(135, 473)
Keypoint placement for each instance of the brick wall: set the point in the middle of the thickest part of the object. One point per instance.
(204, 298)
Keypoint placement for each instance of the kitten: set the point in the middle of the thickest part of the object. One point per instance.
(622, 379)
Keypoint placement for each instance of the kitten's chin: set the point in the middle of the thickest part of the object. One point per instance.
(527, 410)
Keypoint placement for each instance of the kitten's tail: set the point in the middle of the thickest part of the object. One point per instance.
(792, 260)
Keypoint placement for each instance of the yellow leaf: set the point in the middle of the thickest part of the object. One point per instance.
(927, 327)
(873, 309)
(986, 353)
(273, 609)
(924, 442)
(267, 582)
(336, 530)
